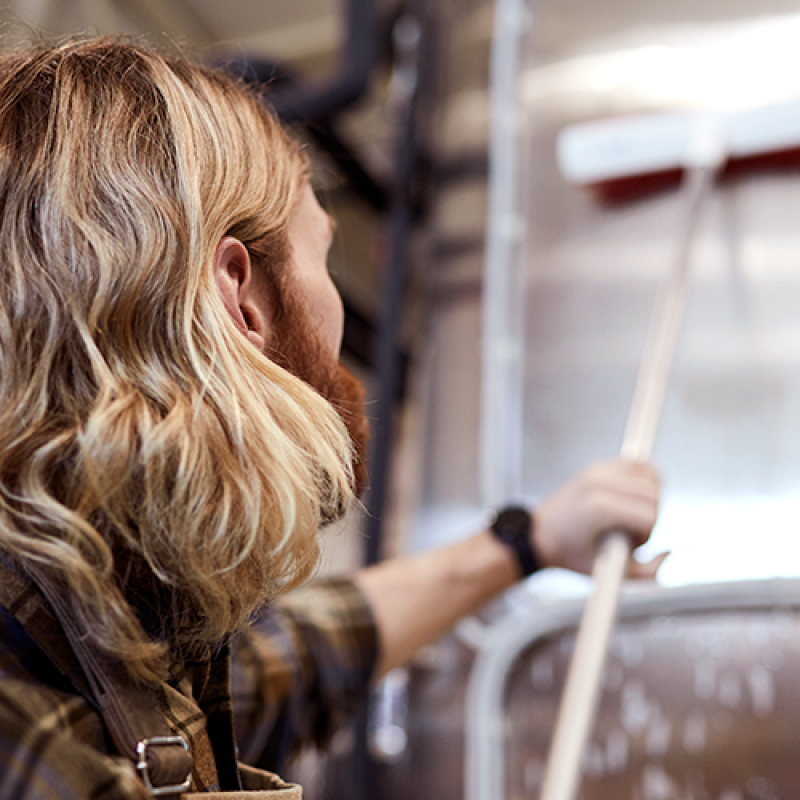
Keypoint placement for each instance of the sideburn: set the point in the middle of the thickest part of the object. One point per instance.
(295, 346)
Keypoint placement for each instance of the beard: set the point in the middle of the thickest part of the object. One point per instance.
(297, 348)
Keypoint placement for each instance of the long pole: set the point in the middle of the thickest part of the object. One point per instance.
(582, 690)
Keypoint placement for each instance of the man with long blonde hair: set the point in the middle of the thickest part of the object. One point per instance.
(174, 430)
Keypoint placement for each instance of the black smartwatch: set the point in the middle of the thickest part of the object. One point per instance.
(513, 526)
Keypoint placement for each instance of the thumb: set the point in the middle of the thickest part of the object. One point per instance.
(638, 570)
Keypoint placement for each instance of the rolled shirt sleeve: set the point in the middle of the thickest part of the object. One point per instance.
(301, 670)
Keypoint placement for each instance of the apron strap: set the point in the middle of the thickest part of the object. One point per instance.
(139, 729)
(131, 712)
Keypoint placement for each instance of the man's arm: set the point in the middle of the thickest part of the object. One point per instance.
(417, 598)
(304, 666)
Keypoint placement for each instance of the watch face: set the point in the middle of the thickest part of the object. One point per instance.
(512, 523)
(513, 527)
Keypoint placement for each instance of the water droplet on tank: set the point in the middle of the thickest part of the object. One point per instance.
(694, 732)
(658, 736)
(705, 679)
(721, 649)
(709, 635)
(635, 711)
(761, 788)
(773, 659)
(762, 690)
(657, 784)
(632, 653)
(783, 626)
(730, 690)
(594, 763)
(759, 634)
(662, 627)
(616, 751)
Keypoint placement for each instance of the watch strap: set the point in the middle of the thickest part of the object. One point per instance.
(514, 526)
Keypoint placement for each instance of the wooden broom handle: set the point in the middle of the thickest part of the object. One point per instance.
(582, 690)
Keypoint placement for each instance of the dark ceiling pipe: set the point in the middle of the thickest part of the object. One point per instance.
(315, 103)
(298, 100)
(319, 100)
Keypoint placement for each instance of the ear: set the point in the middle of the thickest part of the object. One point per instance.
(233, 274)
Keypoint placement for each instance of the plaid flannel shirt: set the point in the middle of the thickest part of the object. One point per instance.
(295, 677)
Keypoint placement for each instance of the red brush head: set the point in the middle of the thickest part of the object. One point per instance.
(633, 188)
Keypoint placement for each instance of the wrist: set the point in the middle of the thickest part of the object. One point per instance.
(514, 527)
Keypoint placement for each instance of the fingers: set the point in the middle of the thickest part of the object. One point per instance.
(623, 495)
(632, 479)
(610, 495)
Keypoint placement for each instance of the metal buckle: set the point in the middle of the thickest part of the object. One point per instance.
(141, 764)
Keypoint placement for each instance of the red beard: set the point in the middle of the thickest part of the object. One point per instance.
(296, 347)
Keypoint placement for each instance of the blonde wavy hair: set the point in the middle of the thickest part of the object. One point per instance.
(147, 450)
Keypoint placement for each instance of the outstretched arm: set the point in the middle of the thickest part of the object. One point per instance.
(417, 598)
